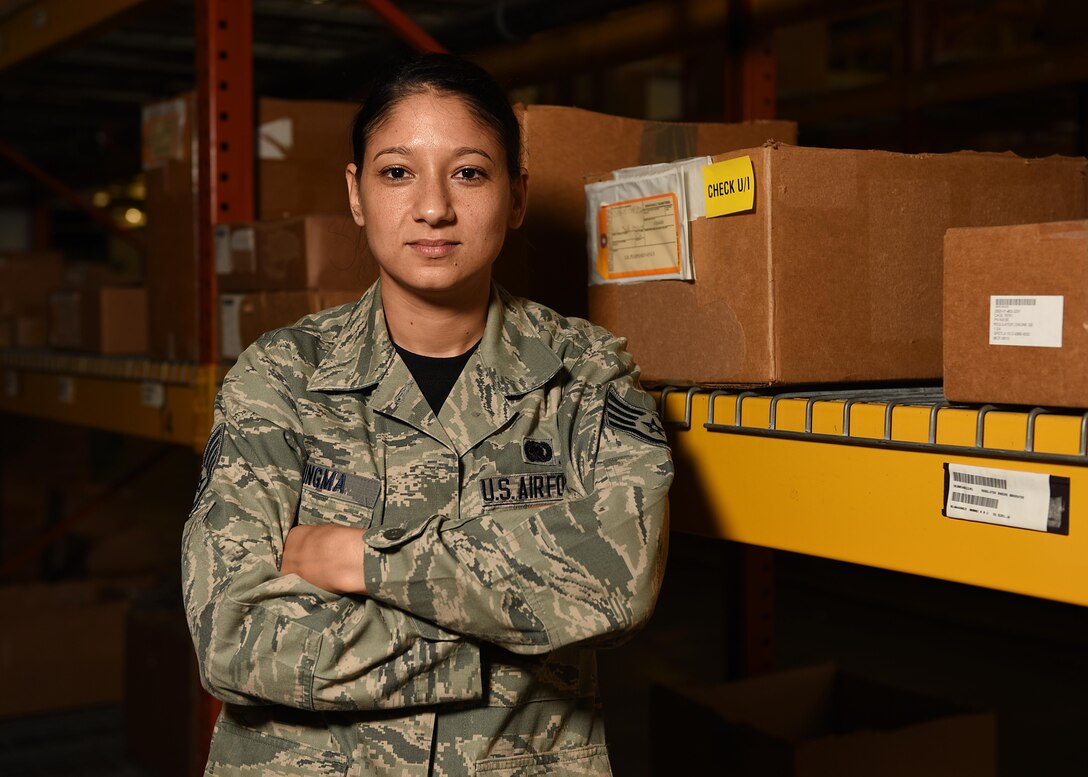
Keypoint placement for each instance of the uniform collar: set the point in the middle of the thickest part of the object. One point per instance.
(511, 348)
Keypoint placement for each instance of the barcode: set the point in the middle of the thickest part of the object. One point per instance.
(980, 480)
(976, 501)
(1017, 301)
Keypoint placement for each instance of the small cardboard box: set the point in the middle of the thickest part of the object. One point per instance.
(835, 275)
(545, 260)
(31, 331)
(819, 722)
(302, 149)
(245, 317)
(326, 251)
(111, 320)
(1016, 314)
(42, 666)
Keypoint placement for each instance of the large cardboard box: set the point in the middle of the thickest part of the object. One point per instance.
(26, 281)
(65, 647)
(111, 320)
(835, 275)
(545, 260)
(302, 149)
(245, 317)
(1015, 313)
(819, 722)
(320, 251)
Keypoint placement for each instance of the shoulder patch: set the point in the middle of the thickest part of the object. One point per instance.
(635, 421)
(210, 460)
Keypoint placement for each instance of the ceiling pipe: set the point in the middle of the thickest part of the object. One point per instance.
(408, 31)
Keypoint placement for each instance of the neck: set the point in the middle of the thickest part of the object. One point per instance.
(435, 327)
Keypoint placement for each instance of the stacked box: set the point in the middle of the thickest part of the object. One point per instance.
(1015, 313)
(26, 281)
(243, 317)
(108, 320)
(545, 259)
(303, 147)
(834, 274)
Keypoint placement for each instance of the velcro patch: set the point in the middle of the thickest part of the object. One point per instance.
(355, 488)
(520, 490)
(635, 421)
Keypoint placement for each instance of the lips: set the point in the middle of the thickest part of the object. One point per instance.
(433, 248)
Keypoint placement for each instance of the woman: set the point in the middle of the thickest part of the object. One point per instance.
(419, 513)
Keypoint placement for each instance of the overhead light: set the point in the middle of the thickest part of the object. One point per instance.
(134, 216)
(101, 199)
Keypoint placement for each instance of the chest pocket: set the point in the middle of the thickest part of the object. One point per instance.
(334, 495)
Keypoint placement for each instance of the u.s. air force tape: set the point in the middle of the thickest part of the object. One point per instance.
(633, 420)
(334, 482)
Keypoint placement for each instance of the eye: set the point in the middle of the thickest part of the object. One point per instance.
(394, 172)
(471, 174)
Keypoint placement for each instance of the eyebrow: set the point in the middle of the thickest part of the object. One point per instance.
(463, 151)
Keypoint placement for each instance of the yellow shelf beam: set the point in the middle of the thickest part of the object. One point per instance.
(45, 24)
(167, 402)
(869, 500)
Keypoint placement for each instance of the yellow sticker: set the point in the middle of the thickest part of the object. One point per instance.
(729, 186)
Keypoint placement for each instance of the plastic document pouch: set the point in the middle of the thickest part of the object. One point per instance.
(639, 238)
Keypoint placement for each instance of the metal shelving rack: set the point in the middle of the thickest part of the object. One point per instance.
(859, 476)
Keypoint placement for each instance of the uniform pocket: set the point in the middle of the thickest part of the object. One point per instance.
(588, 761)
(239, 750)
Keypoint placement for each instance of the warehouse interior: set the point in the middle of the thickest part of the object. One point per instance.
(823, 610)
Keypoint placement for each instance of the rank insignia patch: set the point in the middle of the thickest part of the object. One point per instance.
(210, 460)
(636, 421)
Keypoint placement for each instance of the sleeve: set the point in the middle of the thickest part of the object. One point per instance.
(589, 569)
(265, 638)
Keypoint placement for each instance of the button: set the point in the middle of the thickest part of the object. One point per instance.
(393, 534)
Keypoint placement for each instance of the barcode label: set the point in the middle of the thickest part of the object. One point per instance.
(1025, 500)
(1026, 321)
(978, 501)
(979, 480)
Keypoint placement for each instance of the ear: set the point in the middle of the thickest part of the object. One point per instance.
(354, 200)
(519, 191)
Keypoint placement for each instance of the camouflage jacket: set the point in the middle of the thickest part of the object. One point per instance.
(505, 538)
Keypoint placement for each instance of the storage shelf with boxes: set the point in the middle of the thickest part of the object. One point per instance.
(891, 478)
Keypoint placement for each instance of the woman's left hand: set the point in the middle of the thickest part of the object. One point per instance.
(328, 556)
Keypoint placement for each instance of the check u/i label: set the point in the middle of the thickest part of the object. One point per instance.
(729, 186)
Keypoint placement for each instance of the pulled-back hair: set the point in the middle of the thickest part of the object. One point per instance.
(444, 74)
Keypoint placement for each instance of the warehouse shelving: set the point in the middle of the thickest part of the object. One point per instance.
(859, 476)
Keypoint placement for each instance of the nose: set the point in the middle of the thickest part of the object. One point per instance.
(433, 204)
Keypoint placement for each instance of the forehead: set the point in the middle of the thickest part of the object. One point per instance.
(433, 120)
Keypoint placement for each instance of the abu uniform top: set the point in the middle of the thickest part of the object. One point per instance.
(504, 539)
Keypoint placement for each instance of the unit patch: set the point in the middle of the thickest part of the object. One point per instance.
(636, 421)
(537, 451)
(518, 490)
(210, 460)
(361, 490)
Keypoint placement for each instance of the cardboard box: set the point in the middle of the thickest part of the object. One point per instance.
(302, 149)
(1015, 314)
(111, 320)
(835, 276)
(245, 317)
(819, 722)
(31, 331)
(545, 260)
(26, 281)
(327, 252)
(43, 667)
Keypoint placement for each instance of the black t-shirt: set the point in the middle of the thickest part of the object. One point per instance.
(435, 375)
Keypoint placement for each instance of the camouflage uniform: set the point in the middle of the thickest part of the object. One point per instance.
(506, 538)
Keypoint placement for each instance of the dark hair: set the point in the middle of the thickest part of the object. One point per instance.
(447, 75)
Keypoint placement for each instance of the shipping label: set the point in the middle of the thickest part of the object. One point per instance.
(1026, 320)
(640, 238)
